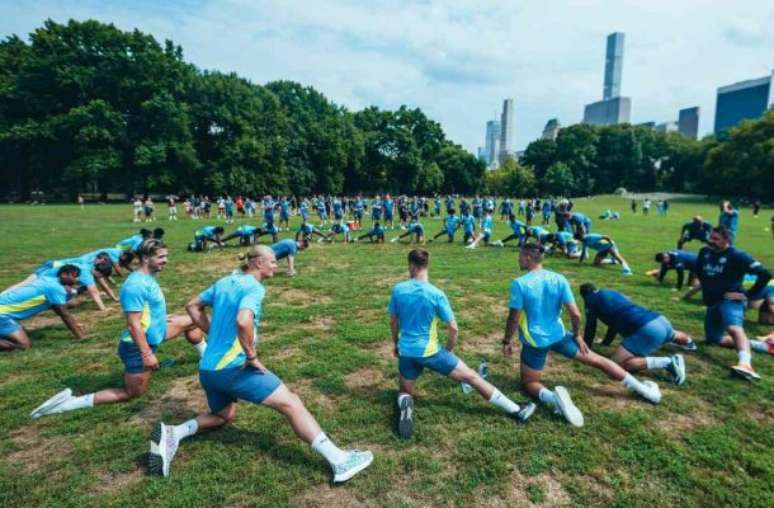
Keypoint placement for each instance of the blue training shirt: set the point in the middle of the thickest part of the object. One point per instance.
(227, 297)
(540, 296)
(285, 248)
(142, 293)
(617, 311)
(31, 299)
(723, 272)
(419, 306)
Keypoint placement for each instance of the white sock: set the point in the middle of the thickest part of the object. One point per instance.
(201, 347)
(74, 403)
(745, 357)
(503, 402)
(759, 345)
(633, 384)
(185, 429)
(330, 452)
(402, 396)
(657, 362)
(546, 396)
(625, 266)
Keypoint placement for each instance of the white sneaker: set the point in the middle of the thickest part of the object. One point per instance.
(394, 239)
(163, 447)
(652, 392)
(498, 243)
(566, 407)
(356, 461)
(51, 403)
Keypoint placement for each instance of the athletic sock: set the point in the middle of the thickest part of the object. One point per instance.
(546, 396)
(185, 429)
(402, 396)
(201, 347)
(503, 402)
(759, 345)
(330, 452)
(657, 362)
(745, 357)
(74, 403)
(633, 384)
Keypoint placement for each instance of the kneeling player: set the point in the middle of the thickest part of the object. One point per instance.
(145, 310)
(414, 228)
(486, 231)
(338, 228)
(307, 230)
(204, 236)
(230, 371)
(643, 330)
(451, 224)
(519, 232)
(606, 250)
(375, 234)
(245, 233)
(415, 307)
(288, 249)
(679, 260)
(564, 243)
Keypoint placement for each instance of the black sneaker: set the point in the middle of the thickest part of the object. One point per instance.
(405, 420)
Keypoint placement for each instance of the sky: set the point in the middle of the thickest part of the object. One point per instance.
(457, 60)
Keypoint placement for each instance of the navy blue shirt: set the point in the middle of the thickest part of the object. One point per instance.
(617, 312)
(723, 272)
(682, 259)
(701, 230)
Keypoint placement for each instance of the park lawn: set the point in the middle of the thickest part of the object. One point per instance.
(326, 334)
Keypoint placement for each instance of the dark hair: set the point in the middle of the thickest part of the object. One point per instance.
(146, 233)
(722, 231)
(104, 269)
(125, 259)
(158, 233)
(420, 258)
(586, 289)
(219, 229)
(534, 250)
(72, 269)
(578, 235)
(660, 257)
(452, 211)
(149, 247)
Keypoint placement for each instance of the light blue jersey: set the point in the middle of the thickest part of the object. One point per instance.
(112, 253)
(130, 244)
(486, 224)
(227, 297)
(31, 299)
(540, 295)
(419, 306)
(86, 278)
(142, 293)
(284, 248)
(468, 224)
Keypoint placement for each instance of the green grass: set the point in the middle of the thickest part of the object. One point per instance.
(325, 332)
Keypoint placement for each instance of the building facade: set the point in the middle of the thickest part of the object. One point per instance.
(551, 130)
(608, 112)
(506, 132)
(613, 65)
(492, 143)
(742, 101)
(688, 122)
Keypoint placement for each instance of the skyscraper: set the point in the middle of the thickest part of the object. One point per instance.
(666, 127)
(613, 65)
(506, 131)
(688, 122)
(551, 130)
(492, 143)
(612, 108)
(743, 100)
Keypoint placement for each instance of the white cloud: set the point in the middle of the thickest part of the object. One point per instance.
(457, 62)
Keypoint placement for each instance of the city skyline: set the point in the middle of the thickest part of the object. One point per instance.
(436, 56)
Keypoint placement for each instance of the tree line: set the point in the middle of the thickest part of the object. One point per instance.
(86, 107)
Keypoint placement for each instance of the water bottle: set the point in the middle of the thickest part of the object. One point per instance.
(483, 371)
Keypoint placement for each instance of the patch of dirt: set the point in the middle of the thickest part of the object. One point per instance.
(286, 354)
(674, 423)
(297, 297)
(516, 493)
(184, 396)
(318, 324)
(325, 495)
(364, 378)
(481, 344)
(37, 453)
(109, 484)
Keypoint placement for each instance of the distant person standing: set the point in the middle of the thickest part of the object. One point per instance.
(80, 201)
(756, 208)
(149, 209)
(646, 206)
(729, 218)
(137, 204)
(634, 206)
(171, 207)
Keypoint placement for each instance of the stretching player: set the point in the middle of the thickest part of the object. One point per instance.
(375, 234)
(288, 249)
(451, 224)
(643, 330)
(245, 233)
(230, 371)
(486, 231)
(204, 236)
(579, 222)
(416, 306)
(540, 234)
(605, 247)
(29, 300)
(536, 303)
(721, 269)
(564, 243)
(269, 228)
(306, 231)
(679, 260)
(337, 229)
(414, 228)
(697, 229)
(145, 310)
(519, 232)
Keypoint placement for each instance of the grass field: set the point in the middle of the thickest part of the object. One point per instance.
(326, 334)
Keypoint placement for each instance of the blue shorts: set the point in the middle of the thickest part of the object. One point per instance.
(571, 247)
(535, 357)
(443, 362)
(284, 216)
(650, 337)
(764, 294)
(720, 316)
(388, 216)
(487, 235)
(8, 325)
(131, 357)
(607, 249)
(229, 385)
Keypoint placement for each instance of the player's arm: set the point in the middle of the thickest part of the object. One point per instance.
(663, 271)
(575, 320)
(136, 331)
(117, 269)
(69, 320)
(511, 325)
(94, 293)
(452, 330)
(246, 336)
(195, 310)
(763, 276)
(680, 276)
(106, 288)
(590, 331)
(609, 336)
(584, 252)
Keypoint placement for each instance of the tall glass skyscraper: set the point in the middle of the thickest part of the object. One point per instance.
(743, 100)
(688, 122)
(613, 65)
(506, 131)
(492, 143)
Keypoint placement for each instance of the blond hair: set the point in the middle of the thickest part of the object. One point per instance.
(256, 251)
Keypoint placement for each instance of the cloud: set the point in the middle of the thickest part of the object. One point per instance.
(457, 60)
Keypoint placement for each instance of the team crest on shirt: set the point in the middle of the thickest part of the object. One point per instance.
(722, 260)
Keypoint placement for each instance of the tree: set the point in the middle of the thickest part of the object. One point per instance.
(559, 180)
